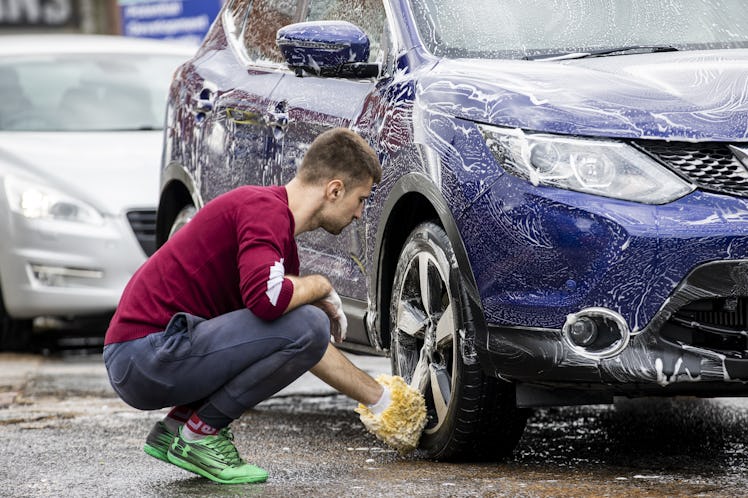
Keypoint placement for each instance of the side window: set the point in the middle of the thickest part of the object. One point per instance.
(368, 15)
(256, 22)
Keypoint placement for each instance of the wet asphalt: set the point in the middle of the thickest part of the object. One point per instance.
(64, 433)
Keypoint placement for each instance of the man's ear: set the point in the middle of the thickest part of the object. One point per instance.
(334, 189)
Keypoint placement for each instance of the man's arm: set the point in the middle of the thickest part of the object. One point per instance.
(307, 290)
(334, 368)
(338, 372)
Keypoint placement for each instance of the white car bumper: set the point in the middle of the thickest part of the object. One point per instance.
(64, 268)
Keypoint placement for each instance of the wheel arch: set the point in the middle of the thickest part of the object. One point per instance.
(178, 190)
(413, 200)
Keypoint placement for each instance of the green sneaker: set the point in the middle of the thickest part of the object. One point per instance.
(158, 441)
(214, 457)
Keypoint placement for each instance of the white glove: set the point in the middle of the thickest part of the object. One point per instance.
(337, 317)
(384, 402)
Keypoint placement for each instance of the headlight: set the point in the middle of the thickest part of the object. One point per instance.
(37, 201)
(600, 167)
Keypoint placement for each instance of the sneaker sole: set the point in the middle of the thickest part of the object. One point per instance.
(197, 470)
(156, 453)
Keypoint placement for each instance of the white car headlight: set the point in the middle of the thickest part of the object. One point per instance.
(600, 167)
(37, 201)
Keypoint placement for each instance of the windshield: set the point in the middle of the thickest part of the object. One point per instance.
(532, 28)
(92, 92)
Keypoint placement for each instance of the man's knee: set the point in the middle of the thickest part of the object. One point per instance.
(316, 330)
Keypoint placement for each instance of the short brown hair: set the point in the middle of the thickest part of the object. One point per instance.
(340, 153)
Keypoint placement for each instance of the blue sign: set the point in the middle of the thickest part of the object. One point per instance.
(183, 20)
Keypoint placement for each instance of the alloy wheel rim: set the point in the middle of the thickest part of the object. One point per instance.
(424, 335)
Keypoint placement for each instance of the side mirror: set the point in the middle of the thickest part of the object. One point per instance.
(326, 48)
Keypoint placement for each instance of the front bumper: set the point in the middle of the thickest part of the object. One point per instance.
(670, 356)
(66, 269)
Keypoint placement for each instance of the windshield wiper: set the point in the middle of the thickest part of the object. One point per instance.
(603, 52)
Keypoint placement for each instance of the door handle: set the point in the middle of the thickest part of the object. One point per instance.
(203, 103)
(277, 120)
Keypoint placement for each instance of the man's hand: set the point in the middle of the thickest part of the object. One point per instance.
(333, 307)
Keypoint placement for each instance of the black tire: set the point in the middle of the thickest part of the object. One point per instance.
(471, 416)
(183, 217)
(15, 335)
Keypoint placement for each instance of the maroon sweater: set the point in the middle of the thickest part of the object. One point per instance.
(232, 255)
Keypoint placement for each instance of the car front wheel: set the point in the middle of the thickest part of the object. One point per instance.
(470, 416)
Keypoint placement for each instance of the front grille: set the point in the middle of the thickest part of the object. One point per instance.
(716, 324)
(710, 166)
(143, 223)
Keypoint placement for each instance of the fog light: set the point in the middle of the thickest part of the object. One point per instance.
(596, 333)
(60, 276)
(583, 331)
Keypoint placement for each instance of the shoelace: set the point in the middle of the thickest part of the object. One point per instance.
(224, 446)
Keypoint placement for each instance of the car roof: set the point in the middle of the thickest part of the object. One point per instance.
(44, 44)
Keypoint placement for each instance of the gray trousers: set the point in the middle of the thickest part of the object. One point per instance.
(233, 361)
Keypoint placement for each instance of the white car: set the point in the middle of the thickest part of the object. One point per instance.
(81, 130)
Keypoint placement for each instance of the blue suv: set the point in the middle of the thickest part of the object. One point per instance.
(563, 215)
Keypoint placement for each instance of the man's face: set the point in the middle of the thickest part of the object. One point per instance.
(346, 206)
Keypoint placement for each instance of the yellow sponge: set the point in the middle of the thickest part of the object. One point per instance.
(401, 424)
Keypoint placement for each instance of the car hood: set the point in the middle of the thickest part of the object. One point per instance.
(113, 171)
(694, 95)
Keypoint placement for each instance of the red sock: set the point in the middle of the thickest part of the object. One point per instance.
(197, 429)
(176, 417)
(180, 413)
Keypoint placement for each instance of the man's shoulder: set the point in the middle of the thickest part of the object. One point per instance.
(252, 195)
(253, 206)
(258, 191)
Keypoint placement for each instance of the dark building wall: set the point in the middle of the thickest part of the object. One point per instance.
(56, 16)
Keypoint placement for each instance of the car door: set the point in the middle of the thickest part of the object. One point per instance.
(239, 147)
(310, 105)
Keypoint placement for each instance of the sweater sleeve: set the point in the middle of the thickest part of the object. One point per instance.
(261, 261)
